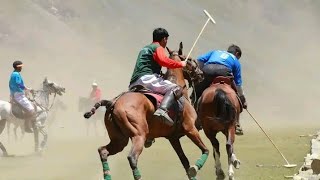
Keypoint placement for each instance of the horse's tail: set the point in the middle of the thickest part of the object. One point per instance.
(105, 103)
(223, 107)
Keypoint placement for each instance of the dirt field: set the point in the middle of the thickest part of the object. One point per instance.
(76, 42)
(77, 158)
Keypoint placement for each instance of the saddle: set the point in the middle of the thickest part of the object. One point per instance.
(156, 100)
(225, 80)
(19, 111)
(229, 81)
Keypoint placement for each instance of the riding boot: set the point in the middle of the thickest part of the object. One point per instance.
(28, 125)
(167, 102)
(28, 122)
(239, 130)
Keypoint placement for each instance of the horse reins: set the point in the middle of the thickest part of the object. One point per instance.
(38, 104)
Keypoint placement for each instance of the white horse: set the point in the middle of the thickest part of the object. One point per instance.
(19, 123)
(40, 99)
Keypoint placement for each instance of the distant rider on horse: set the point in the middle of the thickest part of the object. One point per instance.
(17, 94)
(95, 95)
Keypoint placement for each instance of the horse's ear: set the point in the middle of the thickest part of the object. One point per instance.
(169, 51)
(180, 48)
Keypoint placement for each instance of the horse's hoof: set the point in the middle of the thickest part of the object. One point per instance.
(148, 143)
(220, 175)
(231, 177)
(192, 171)
(236, 164)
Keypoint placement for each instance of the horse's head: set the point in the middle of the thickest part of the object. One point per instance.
(192, 71)
(52, 87)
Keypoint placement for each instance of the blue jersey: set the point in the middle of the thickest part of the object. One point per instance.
(16, 83)
(224, 58)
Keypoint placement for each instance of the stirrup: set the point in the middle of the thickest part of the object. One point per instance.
(239, 130)
(164, 116)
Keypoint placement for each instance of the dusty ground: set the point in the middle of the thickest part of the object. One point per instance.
(77, 157)
(75, 42)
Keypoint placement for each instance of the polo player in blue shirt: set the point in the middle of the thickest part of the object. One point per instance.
(17, 93)
(222, 63)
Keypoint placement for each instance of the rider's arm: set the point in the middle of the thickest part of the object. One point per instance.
(19, 82)
(160, 57)
(236, 70)
(205, 57)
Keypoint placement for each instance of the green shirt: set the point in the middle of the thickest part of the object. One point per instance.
(145, 63)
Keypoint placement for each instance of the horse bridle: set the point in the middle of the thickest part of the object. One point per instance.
(189, 72)
(38, 104)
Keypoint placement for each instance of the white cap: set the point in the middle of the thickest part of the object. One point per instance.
(94, 84)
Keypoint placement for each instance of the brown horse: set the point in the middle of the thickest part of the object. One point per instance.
(218, 111)
(131, 116)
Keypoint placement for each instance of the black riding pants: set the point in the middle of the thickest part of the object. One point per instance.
(210, 72)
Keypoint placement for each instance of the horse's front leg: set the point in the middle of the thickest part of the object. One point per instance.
(189, 119)
(45, 138)
(175, 143)
(15, 132)
(22, 132)
(36, 137)
(232, 159)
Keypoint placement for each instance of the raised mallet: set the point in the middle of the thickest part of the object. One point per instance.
(204, 26)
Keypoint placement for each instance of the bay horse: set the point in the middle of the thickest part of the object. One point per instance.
(131, 116)
(218, 110)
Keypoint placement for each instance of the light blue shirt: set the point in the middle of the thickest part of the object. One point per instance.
(16, 83)
(224, 58)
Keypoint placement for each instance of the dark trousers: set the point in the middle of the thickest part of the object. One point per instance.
(210, 72)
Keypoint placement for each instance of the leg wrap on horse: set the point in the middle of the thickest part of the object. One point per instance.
(106, 170)
(200, 162)
(135, 170)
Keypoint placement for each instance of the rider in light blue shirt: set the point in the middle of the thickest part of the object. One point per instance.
(17, 93)
(16, 83)
(222, 63)
(224, 58)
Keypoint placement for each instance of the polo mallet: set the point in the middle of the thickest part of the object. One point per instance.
(288, 165)
(192, 172)
(195, 42)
